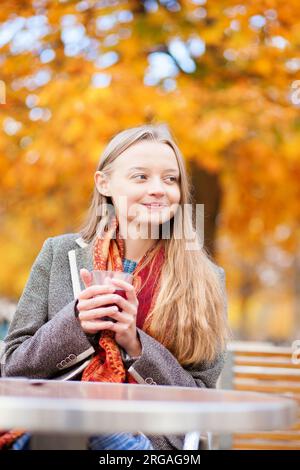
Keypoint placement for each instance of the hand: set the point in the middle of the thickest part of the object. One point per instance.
(125, 327)
(91, 310)
(89, 299)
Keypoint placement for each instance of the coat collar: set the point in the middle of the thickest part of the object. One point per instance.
(81, 242)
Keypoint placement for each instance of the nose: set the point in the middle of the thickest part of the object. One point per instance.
(156, 187)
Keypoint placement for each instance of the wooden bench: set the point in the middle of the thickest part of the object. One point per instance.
(262, 367)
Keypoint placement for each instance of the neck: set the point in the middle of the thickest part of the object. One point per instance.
(135, 249)
(135, 243)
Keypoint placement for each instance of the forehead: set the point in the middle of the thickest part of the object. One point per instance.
(147, 154)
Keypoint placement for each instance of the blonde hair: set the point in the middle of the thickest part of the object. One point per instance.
(189, 314)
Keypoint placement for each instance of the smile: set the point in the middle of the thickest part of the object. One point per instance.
(155, 206)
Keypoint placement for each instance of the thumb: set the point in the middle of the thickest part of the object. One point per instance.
(86, 276)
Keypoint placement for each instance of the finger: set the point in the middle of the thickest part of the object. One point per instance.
(102, 300)
(129, 288)
(95, 326)
(124, 304)
(94, 290)
(120, 327)
(97, 313)
(120, 317)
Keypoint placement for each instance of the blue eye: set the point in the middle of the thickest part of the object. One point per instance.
(138, 175)
(173, 178)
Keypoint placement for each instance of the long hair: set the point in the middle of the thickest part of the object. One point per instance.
(189, 315)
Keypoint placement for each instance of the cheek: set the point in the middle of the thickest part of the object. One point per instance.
(174, 194)
(135, 194)
(123, 195)
(128, 200)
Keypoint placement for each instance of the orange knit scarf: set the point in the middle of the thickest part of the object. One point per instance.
(108, 253)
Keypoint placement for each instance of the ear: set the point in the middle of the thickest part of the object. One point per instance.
(102, 183)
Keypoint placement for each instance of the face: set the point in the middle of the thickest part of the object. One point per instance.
(146, 173)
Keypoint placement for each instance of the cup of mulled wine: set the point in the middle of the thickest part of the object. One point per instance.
(103, 278)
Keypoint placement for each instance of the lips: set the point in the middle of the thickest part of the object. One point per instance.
(155, 206)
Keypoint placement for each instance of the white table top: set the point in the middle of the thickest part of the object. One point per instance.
(90, 407)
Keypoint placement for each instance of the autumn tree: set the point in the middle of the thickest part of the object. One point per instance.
(225, 78)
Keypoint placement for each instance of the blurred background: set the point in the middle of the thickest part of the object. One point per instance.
(223, 74)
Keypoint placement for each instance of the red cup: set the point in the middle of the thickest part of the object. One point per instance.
(103, 278)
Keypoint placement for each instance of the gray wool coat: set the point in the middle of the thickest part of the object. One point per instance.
(45, 339)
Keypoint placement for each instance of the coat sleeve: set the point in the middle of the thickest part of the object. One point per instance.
(36, 347)
(157, 366)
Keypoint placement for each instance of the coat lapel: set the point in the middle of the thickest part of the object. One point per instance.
(79, 258)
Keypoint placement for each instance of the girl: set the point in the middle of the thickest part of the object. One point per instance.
(170, 330)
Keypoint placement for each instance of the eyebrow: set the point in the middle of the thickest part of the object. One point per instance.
(174, 170)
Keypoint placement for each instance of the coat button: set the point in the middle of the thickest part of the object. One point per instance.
(150, 381)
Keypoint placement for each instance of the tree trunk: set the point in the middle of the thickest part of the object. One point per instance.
(206, 190)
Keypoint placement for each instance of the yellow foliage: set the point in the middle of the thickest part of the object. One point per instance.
(233, 115)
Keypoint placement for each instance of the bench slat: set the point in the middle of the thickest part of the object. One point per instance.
(240, 445)
(265, 362)
(252, 385)
(276, 435)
